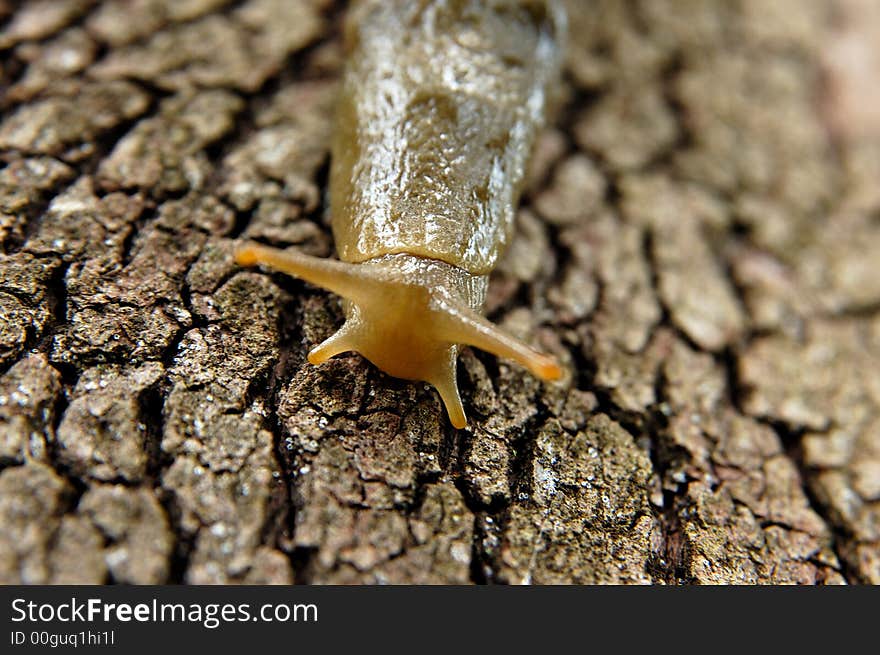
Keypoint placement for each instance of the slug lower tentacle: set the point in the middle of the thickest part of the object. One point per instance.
(440, 104)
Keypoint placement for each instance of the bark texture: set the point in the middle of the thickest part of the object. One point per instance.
(700, 245)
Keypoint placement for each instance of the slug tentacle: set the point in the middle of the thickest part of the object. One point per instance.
(464, 326)
(444, 381)
(340, 342)
(407, 315)
(341, 278)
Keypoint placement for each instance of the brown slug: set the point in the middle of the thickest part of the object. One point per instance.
(440, 104)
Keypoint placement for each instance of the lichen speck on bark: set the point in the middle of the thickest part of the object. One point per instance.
(698, 243)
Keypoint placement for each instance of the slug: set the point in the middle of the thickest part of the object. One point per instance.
(440, 104)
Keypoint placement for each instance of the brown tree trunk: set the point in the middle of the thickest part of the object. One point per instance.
(700, 244)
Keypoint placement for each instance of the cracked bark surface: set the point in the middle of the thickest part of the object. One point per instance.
(699, 244)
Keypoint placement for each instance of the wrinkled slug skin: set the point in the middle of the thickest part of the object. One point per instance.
(440, 104)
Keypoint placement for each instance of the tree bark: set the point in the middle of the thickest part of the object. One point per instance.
(699, 244)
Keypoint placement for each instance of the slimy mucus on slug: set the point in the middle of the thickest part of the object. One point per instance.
(440, 104)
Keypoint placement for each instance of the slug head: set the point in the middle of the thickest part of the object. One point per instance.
(407, 315)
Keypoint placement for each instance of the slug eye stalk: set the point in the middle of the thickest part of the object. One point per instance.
(407, 315)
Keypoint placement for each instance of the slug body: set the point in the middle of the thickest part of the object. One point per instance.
(440, 104)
